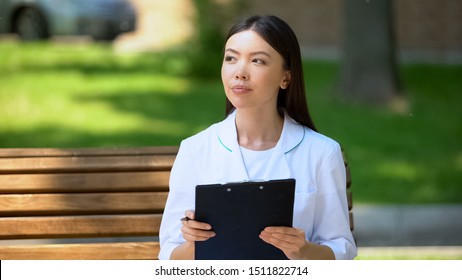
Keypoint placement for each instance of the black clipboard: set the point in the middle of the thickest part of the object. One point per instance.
(238, 212)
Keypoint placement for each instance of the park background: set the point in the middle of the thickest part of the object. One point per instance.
(161, 84)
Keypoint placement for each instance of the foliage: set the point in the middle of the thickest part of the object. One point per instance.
(205, 51)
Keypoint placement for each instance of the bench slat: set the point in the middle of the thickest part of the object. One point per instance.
(352, 223)
(348, 176)
(92, 251)
(56, 152)
(80, 226)
(85, 182)
(350, 200)
(85, 203)
(85, 164)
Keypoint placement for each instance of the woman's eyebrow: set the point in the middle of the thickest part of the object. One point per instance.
(252, 53)
(231, 50)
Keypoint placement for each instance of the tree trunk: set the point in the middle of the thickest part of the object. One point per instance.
(369, 71)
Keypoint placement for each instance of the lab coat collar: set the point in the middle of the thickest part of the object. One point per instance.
(292, 136)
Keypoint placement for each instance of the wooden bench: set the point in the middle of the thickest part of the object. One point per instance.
(96, 203)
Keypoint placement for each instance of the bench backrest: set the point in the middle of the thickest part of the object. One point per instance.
(83, 193)
(97, 203)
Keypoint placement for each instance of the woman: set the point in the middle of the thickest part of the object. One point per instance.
(267, 134)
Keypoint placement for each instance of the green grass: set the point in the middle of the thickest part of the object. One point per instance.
(412, 157)
(409, 253)
(61, 96)
(55, 95)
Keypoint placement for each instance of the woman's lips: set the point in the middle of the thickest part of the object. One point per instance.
(240, 89)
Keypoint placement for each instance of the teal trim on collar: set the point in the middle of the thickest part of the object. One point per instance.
(224, 144)
(298, 142)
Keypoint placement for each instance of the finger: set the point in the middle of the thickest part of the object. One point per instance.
(283, 241)
(291, 250)
(280, 244)
(284, 230)
(190, 214)
(280, 239)
(193, 238)
(289, 239)
(196, 225)
(197, 232)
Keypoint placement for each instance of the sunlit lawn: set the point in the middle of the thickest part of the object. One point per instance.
(409, 253)
(87, 96)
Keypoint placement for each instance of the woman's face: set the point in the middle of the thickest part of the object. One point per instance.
(252, 72)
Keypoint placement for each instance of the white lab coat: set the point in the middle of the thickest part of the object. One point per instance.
(315, 161)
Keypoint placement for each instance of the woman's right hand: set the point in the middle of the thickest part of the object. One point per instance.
(194, 230)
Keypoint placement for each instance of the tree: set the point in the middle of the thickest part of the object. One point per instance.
(212, 20)
(207, 46)
(369, 69)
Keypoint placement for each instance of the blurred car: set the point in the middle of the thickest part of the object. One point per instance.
(40, 19)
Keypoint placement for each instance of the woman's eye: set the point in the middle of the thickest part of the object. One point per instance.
(229, 58)
(258, 61)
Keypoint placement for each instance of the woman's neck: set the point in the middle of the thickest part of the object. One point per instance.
(258, 130)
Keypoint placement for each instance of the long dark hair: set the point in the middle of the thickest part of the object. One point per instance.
(278, 34)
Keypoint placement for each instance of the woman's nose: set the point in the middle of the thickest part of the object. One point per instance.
(241, 75)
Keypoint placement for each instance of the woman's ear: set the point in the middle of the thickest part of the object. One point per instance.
(286, 80)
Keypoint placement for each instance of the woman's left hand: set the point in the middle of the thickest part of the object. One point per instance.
(290, 240)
